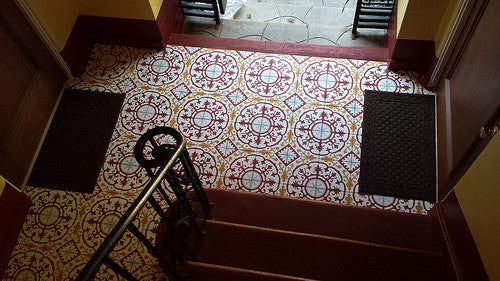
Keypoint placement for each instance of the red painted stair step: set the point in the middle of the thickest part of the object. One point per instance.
(313, 256)
(363, 224)
(210, 272)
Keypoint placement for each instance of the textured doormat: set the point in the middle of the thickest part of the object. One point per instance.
(75, 145)
(398, 146)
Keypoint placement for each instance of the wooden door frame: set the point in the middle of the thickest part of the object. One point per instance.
(37, 27)
(449, 174)
(451, 42)
(31, 118)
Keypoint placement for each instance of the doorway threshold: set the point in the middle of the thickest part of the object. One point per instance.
(301, 49)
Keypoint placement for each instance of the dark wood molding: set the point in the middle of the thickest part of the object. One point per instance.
(449, 170)
(461, 248)
(468, 30)
(90, 30)
(31, 82)
(443, 116)
(450, 176)
(170, 19)
(414, 55)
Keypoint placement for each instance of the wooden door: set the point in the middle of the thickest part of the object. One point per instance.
(30, 82)
(468, 96)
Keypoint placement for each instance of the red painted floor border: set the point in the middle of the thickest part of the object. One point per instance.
(313, 50)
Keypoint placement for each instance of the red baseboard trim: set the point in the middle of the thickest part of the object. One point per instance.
(465, 258)
(345, 52)
(414, 55)
(14, 207)
(170, 18)
(392, 31)
(90, 30)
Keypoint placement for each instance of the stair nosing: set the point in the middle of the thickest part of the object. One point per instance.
(318, 236)
(231, 268)
(320, 202)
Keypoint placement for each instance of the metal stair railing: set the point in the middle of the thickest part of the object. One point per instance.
(372, 14)
(169, 161)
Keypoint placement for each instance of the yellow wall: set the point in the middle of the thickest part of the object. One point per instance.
(56, 17)
(427, 20)
(479, 193)
(131, 9)
(402, 6)
(422, 19)
(2, 185)
(449, 17)
(155, 6)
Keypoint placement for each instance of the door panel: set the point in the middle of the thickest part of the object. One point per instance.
(16, 75)
(469, 95)
(475, 84)
(31, 82)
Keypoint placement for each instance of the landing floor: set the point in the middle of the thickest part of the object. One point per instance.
(277, 124)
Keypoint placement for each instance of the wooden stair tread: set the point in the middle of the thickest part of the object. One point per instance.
(208, 272)
(322, 218)
(312, 256)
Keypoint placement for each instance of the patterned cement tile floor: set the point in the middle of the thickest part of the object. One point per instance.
(278, 124)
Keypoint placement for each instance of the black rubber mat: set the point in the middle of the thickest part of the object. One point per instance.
(398, 155)
(75, 146)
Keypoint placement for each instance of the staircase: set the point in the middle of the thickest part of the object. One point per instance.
(326, 22)
(203, 8)
(218, 235)
(264, 237)
(372, 14)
